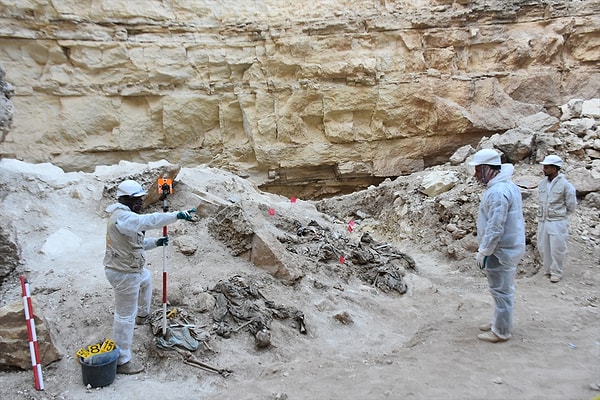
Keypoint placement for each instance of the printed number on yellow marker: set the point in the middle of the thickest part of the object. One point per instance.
(95, 348)
(83, 353)
(108, 345)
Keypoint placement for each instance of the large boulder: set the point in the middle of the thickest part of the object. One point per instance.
(249, 235)
(14, 337)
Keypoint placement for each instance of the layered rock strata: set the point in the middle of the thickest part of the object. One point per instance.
(323, 96)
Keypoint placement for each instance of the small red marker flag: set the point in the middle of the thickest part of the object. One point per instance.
(293, 199)
(271, 211)
(342, 260)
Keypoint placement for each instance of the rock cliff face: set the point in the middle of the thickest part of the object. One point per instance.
(327, 93)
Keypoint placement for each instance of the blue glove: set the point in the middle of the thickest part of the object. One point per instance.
(162, 241)
(186, 214)
(481, 260)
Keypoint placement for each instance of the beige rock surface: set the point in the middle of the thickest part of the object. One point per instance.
(308, 99)
(272, 87)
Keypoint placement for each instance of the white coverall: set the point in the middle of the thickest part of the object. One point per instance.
(501, 237)
(557, 200)
(124, 263)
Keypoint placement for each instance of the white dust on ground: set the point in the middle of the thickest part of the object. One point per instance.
(420, 345)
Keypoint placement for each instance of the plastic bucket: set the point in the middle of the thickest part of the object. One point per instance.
(100, 370)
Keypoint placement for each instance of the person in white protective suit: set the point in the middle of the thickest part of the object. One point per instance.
(557, 200)
(501, 237)
(124, 263)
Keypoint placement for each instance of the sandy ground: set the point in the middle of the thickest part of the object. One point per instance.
(420, 345)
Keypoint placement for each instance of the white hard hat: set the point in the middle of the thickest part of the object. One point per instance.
(487, 157)
(130, 188)
(553, 159)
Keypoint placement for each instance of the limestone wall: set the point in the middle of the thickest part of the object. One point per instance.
(293, 91)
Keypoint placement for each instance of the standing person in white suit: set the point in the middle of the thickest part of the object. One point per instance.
(124, 263)
(557, 200)
(501, 237)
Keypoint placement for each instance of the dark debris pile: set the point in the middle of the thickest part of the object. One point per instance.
(379, 264)
(238, 302)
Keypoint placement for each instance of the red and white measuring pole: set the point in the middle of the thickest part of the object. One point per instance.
(165, 188)
(33, 344)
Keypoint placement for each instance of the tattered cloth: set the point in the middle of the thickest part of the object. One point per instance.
(181, 330)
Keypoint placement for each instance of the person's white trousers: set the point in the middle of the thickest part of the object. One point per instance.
(552, 238)
(501, 284)
(133, 294)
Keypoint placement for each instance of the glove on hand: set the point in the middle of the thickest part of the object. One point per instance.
(481, 260)
(162, 241)
(186, 214)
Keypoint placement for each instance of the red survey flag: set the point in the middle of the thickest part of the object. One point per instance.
(350, 225)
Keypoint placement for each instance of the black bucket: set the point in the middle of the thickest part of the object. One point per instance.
(100, 374)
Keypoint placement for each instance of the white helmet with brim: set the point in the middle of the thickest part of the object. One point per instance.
(130, 188)
(553, 159)
(487, 157)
